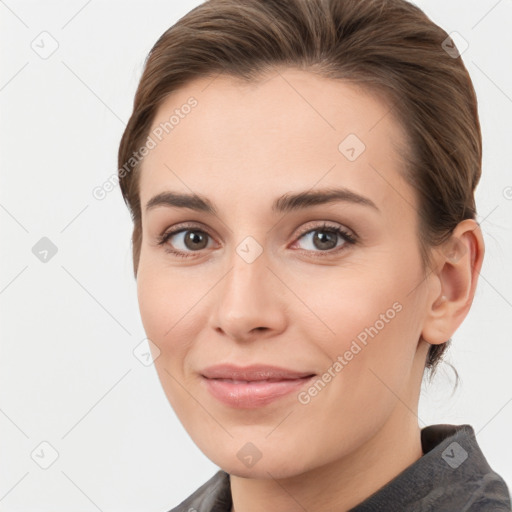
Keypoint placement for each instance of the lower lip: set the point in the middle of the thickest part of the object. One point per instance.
(250, 395)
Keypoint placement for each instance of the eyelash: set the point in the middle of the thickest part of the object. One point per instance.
(349, 239)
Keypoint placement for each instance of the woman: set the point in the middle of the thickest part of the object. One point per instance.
(301, 178)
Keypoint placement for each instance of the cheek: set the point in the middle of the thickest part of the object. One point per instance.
(160, 308)
(170, 302)
(368, 359)
(153, 301)
(168, 320)
(350, 304)
(367, 320)
(165, 296)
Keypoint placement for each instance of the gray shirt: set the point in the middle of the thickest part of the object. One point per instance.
(452, 476)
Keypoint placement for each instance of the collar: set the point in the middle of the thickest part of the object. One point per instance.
(453, 474)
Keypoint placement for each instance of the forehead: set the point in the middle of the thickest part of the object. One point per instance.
(289, 129)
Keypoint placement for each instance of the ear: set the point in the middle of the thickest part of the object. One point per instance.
(458, 264)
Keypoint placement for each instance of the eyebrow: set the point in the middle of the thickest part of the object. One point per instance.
(283, 204)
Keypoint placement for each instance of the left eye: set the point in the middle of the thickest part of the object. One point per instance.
(325, 239)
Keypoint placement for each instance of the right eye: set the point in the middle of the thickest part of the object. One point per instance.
(184, 241)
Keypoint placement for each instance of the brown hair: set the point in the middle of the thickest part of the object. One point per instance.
(388, 46)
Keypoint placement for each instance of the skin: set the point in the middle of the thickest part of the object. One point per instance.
(297, 305)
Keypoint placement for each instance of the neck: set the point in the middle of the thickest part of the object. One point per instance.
(340, 485)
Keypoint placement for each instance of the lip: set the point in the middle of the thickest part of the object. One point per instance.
(252, 386)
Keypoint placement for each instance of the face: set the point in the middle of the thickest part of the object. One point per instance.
(302, 254)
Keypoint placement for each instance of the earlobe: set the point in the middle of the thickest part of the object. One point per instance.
(458, 261)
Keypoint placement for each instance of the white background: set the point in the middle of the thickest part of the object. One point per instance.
(68, 375)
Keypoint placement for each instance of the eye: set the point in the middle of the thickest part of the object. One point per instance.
(326, 238)
(184, 240)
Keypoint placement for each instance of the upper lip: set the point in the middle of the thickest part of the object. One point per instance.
(252, 373)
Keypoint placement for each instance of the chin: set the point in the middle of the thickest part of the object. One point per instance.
(261, 472)
(277, 467)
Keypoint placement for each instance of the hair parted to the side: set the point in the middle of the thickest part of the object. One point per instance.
(389, 47)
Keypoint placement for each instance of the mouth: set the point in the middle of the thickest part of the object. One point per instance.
(253, 386)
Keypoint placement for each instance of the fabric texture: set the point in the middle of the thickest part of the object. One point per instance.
(452, 476)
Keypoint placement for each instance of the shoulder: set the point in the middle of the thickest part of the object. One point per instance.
(213, 496)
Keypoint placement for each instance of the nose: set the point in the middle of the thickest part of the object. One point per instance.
(250, 301)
